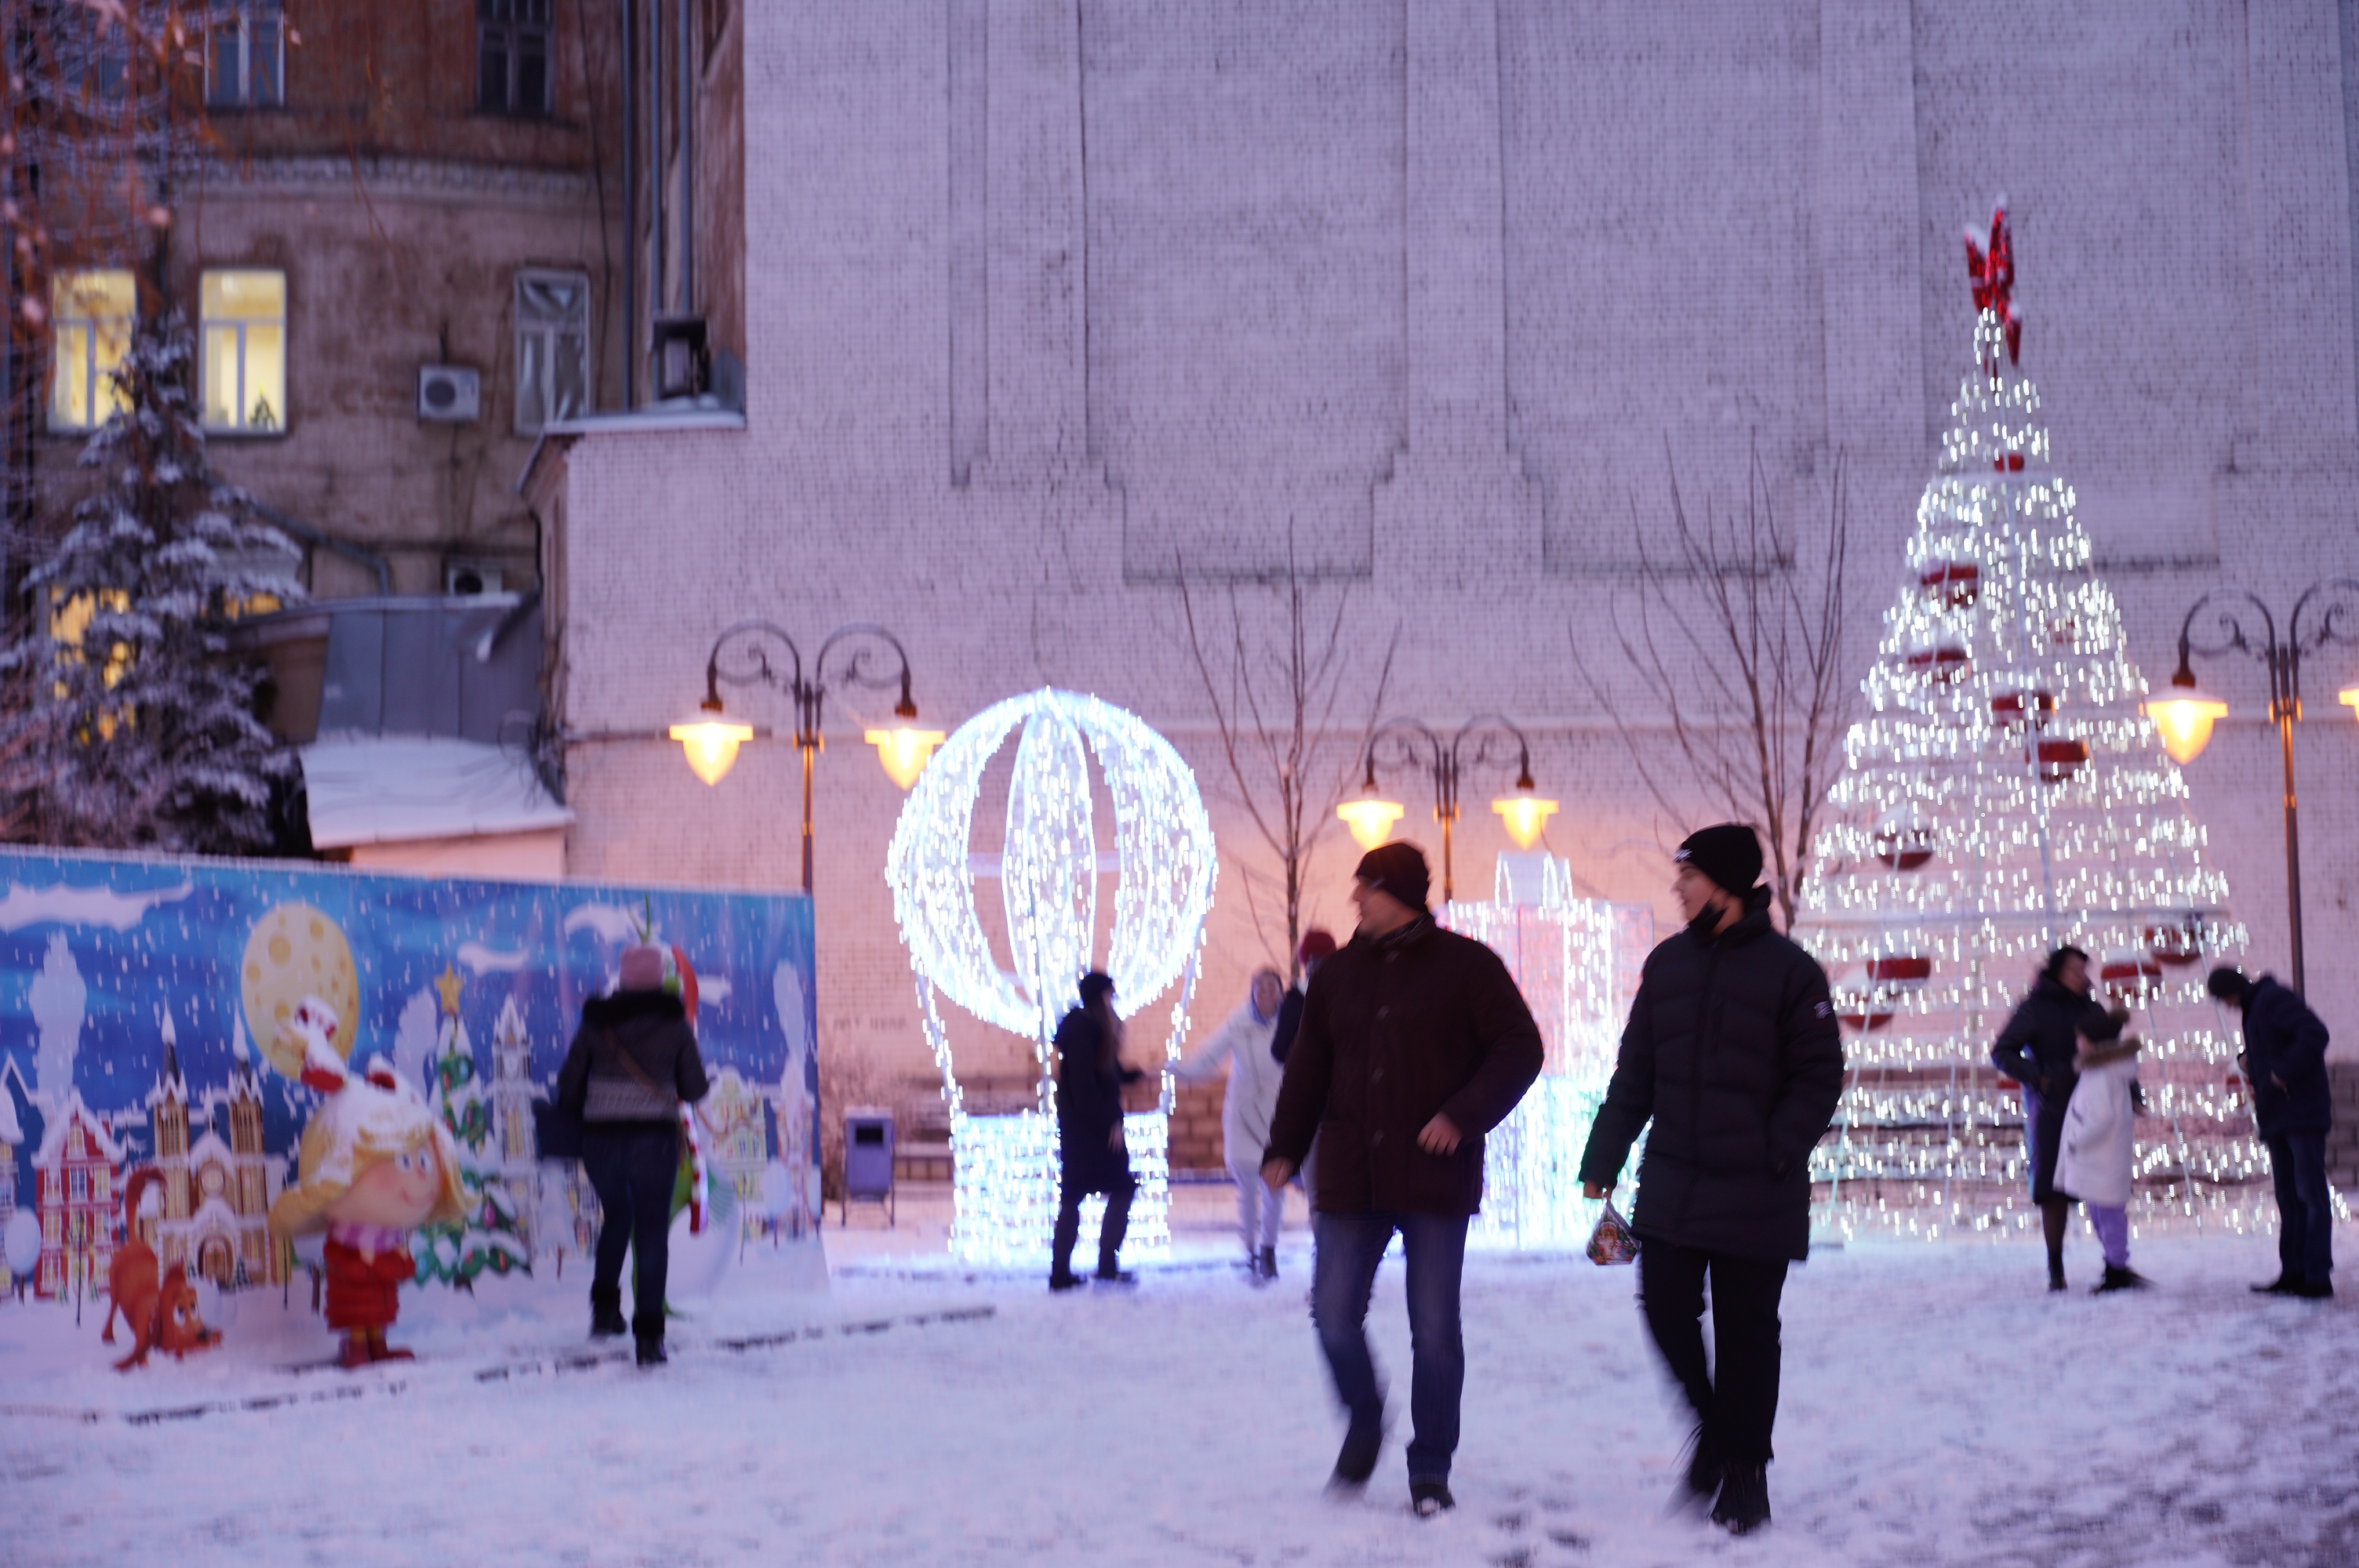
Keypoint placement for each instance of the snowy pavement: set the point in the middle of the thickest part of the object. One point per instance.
(1939, 1408)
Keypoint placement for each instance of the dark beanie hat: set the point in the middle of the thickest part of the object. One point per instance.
(1096, 984)
(1400, 869)
(2227, 983)
(1730, 854)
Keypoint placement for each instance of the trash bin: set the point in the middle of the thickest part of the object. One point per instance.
(868, 1160)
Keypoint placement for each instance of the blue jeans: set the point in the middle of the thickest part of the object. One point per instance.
(2305, 1217)
(633, 1166)
(1344, 1275)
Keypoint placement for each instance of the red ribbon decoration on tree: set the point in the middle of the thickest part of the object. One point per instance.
(1989, 268)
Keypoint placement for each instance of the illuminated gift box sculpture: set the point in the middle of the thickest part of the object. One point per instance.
(1047, 868)
(1577, 962)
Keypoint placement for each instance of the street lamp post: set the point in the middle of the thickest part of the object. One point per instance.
(2186, 716)
(1414, 745)
(851, 656)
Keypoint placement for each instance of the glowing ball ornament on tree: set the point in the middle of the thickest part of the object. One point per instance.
(2006, 794)
(1162, 859)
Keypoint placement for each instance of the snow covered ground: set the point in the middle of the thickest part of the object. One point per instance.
(1939, 1408)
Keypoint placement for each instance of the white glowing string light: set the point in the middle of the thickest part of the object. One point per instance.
(1577, 962)
(1005, 1166)
(2006, 794)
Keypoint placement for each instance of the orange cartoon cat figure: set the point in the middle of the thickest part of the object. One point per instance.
(375, 1164)
(160, 1307)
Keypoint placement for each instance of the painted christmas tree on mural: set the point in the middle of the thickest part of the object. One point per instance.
(492, 1235)
(2004, 794)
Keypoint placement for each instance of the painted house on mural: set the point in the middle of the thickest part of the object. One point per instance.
(215, 1209)
(77, 1175)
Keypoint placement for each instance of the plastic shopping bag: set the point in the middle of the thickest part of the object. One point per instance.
(1612, 1241)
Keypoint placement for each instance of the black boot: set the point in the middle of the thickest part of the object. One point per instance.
(2120, 1280)
(606, 1312)
(1744, 1505)
(1701, 1483)
(1269, 1262)
(2316, 1290)
(2055, 1273)
(650, 1337)
(2287, 1283)
(1429, 1495)
(1358, 1460)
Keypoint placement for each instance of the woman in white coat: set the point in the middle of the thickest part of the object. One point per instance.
(1244, 1042)
(2095, 1155)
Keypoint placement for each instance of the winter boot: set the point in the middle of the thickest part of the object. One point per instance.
(2055, 1273)
(1358, 1460)
(1112, 1273)
(1701, 1483)
(2287, 1283)
(1064, 1280)
(2120, 1280)
(1429, 1495)
(1744, 1505)
(2316, 1290)
(1269, 1262)
(607, 1313)
(649, 1340)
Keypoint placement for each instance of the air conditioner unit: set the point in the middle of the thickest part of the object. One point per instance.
(464, 579)
(449, 395)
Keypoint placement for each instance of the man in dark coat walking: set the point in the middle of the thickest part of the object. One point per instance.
(2039, 1048)
(1414, 1044)
(1091, 1156)
(2285, 1057)
(1733, 1051)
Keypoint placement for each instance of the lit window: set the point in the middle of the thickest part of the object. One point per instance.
(552, 348)
(78, 1186)
(246, 65)
(246, 351)
(512, 55)
(92, 313)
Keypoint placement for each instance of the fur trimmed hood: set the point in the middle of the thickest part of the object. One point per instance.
(2097, 1053)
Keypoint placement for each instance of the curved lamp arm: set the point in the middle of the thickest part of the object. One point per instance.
(1486, 729)
(860, 666)
(2337, 620)
(741, 657)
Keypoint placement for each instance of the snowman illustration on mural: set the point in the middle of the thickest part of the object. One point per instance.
(798, 1102)
(1159, 856)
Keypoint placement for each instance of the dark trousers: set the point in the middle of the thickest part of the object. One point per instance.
(2305, 1218)
(1739, 1406)
(1343, 1274)
(633, 1166)
(1119, 1188)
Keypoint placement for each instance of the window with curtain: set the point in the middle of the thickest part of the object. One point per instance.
(511, 57)
(90, 312)
(552, 348)
(246, 65)
(243, 322)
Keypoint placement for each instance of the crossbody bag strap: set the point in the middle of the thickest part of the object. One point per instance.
(630, 1064)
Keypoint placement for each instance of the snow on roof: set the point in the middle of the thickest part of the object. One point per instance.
(367, 789)
(11, 1129)
(53, 1136)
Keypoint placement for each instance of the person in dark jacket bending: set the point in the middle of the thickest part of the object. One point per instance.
(1091, 1156)
(2285, 1057)
(632, 1064)
(1414, 1044)
(1733, 1053)
(2038, 1048)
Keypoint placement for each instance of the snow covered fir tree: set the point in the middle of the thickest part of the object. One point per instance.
(492, 1236)
(130, 723)
(2006, 794)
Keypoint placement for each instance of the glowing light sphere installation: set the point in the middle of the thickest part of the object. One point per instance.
(2016, 794)
(1047, 868)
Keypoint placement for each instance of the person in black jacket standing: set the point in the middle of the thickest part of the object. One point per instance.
(2285, 1057)
(1414, 1044)
(2039, 1049)
(1091, 1156)
(1733, 1051)
(632, 1064)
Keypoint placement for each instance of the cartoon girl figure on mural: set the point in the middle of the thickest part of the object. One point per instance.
(376, 1163)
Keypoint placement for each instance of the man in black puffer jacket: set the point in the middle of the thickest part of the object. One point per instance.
(2285, 1057)
(1733, 1051)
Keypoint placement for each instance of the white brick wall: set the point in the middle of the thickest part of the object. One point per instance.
(1435, 283)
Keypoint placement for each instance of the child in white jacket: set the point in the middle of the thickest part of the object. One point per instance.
(1246, 1109)
(2095, 1157)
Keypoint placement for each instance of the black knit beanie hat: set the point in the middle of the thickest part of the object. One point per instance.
(1730, 854)
(1400, 869)
(2227, 983)
(1096, 984)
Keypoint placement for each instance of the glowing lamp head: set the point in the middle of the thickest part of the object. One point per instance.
(2185, 717)
(904, 752)
(710, 741)
(1526, 816)
(2349, 697)
(1371, 820)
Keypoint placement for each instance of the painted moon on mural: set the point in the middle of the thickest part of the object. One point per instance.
(295, 952)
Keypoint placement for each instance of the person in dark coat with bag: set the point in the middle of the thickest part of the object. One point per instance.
(1414, 1044)
(1733, 1052)
(633, 1064)
(1091, 1156)
(2041, 1049)
(2293, 1107)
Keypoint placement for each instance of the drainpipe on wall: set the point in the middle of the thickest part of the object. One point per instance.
(376, 564)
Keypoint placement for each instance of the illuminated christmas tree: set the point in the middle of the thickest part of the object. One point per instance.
(2006, 794)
